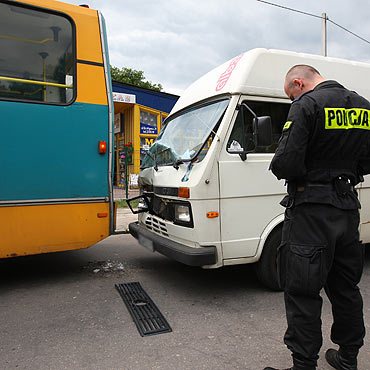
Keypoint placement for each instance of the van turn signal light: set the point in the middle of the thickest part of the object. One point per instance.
(212, 214)
(102, 147)
(184, 192)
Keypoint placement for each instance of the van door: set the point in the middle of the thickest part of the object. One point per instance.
(364, 196)
(249, 193)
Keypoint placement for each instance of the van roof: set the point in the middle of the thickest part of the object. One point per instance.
(261, 72)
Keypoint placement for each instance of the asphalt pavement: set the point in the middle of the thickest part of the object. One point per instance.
(61, 311)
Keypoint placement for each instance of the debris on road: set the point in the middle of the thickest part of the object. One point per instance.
(105, 266)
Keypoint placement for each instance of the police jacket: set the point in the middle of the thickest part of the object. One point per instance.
(326, 138)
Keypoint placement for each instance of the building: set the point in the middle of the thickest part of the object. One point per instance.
(139, 115)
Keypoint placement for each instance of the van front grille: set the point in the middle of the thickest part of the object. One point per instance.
(156, 225)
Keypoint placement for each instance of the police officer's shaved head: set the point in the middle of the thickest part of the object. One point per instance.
(300, 79)
(301, 71)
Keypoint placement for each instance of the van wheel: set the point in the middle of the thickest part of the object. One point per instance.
(266, 267)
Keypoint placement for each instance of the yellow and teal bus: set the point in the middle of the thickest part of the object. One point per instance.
(56, 120)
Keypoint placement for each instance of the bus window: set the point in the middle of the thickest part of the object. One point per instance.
(278, 113)
(39, 63)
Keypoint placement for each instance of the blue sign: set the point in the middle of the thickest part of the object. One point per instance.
(148, 129)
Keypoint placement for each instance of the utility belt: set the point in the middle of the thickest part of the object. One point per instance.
(342, 185)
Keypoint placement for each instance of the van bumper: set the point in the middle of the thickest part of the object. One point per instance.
(176, 251)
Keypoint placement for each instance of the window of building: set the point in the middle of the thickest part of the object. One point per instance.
(145, 144)
(244, 136)
(148, 123)
(37, 61)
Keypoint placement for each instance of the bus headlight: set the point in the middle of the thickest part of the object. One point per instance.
(182, 213)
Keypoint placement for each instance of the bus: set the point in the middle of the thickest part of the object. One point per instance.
(208, 198)
(56, 119)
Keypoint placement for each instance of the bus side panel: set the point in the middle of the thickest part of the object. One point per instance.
(52, 228)
(91, 84)
(51, 152)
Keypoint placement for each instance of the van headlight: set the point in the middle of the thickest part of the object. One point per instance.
(139, 204)
(142, 205)
(182, 213)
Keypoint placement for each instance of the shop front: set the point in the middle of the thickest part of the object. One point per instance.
(139, 116)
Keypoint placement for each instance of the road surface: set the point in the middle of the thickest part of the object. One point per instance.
(61, 311)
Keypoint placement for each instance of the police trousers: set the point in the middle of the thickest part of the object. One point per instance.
(320, 248)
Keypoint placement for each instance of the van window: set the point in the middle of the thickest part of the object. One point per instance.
(278, 113)
(37, 58)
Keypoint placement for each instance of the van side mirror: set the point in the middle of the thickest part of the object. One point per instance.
(262, 131)
(261, 127)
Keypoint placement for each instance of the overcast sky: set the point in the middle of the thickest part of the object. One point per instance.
(176, 41)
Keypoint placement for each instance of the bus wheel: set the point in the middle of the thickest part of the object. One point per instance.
(266, 267)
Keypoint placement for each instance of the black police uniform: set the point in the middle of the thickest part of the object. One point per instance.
(323, 152)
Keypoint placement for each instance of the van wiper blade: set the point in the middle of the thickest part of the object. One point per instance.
(155, 161)
(175, 161)
(182, 161)
(175, 165)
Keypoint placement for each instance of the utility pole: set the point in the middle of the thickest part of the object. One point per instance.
(324, 35)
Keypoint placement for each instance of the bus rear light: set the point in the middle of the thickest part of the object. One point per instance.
(102, 147)
(102, 214)
(184, 192)
(212, 214)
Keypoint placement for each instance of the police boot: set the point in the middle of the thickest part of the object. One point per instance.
(341, 360)
(298, 364)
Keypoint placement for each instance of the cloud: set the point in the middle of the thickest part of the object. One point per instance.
(175, 42)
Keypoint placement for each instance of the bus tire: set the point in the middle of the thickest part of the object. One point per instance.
(266, 267)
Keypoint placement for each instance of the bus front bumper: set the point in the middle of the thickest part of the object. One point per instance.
(182, 253)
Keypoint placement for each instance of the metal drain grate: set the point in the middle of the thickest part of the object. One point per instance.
(145, 313)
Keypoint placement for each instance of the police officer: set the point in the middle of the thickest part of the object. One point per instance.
(323, 152)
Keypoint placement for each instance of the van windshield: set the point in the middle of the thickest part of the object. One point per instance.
(186, 136)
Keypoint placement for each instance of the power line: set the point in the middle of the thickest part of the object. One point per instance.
(293, 10)
(315, 16)
(345, 29)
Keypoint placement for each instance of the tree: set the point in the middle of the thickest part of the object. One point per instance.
(133, 77)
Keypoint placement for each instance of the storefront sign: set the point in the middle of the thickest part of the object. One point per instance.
(148, 129)
(124, 98)
(134, 179)
(146, 142)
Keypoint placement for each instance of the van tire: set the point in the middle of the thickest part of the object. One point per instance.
(266, 267)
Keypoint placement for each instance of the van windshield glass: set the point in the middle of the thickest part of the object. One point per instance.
(186, 136)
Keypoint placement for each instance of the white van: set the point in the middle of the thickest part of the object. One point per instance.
(207, 196)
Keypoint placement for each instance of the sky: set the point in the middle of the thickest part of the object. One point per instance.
(177, 41)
